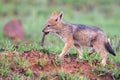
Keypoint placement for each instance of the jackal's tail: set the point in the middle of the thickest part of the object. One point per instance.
(109, 48)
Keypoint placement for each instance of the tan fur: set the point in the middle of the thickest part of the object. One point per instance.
(77, 35)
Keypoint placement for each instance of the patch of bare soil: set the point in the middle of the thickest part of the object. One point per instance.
(46, 63)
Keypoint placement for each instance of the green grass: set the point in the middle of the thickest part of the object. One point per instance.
(34, 14)
(4, 66)
(68, 76)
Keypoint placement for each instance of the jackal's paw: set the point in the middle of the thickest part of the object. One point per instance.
(60, 56)
(80, 57)
(59, 59)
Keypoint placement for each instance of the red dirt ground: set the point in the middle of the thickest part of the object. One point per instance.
(69, 64)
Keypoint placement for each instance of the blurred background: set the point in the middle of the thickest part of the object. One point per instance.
(34, 14)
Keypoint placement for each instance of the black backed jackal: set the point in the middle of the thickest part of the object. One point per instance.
(79, 35)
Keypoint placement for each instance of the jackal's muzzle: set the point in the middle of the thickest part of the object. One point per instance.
(45, 32)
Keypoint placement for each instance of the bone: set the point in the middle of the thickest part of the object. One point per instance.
(43, 38)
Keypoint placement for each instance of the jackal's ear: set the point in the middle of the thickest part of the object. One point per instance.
(59, 17)
(54, 15)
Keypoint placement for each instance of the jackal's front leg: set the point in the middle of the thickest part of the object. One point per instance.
(66, 48)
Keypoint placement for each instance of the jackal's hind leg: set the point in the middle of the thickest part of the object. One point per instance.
(78, 48)
(101, 50)
(104, 57)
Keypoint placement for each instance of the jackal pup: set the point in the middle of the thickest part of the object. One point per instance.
(79, 35)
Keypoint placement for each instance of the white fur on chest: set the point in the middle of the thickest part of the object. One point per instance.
(62, 37)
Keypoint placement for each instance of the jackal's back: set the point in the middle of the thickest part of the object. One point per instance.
(86, 35)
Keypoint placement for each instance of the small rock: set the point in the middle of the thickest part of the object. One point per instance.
(14, 29)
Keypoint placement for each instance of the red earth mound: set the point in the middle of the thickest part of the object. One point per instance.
(46, 63)
(14, 29)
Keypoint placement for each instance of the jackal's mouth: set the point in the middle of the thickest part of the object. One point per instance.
(46, 33)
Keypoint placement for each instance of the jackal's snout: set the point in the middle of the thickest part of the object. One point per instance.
(44, 31)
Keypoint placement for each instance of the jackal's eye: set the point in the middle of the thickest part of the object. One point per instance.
(48, 25)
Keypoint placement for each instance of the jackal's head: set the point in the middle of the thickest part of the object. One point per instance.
(54, 23)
